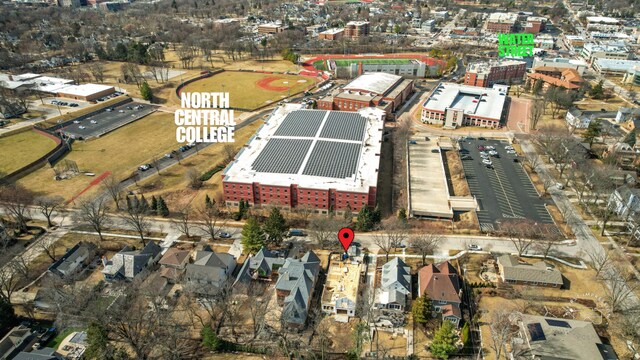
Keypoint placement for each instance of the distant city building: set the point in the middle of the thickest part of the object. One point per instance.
(592, 51)
(381, 90)
(86, 92)
(558, 77)
(428, 25)
(603, 23)
(502, 22)
(271, 28)
(494, 72)
(544, 41)
(442, 14)
(617, 67)
(632, 76)
(452, 105)
(574, 42)
(563, 63)
(222, 24)
(356, 29)
(331, 34)
(534, 24)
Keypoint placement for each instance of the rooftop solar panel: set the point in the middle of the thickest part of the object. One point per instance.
(558, 323)
(344, 126)
(536, 332)
(282, 156)
(301, 123)
(333, 159)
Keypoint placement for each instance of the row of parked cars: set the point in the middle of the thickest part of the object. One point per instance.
(64, 103)
(107, 97)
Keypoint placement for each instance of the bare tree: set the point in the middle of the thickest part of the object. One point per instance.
(535, 114)
(15, 201)
(600, 259)
(94, 214)
(550, 238)
(12, 276)
(114, 188)
(533, 160)
(620, 288)
(392, 236)
(193, 177)
(184, 222)
(425, 243)
(519, 232)
(47, 205)
(210, 220)
(97, 71)
(229, 152)
(156, 164)
(324, 230)
(501, 331)
(138, 219)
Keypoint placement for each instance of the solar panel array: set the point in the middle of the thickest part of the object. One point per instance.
(558, 323)
(344, 126)
(536, 332)
(301, 123)
(333, 159)
(282, 156)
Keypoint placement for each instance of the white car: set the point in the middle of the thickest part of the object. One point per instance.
(512, 152)
(76, 122)
(493, 153)
(120, 111)
(508, 147)
(488, 147)
(483, 154)
(81, 127)
(475, 248)
(487, 162)
(94, 122)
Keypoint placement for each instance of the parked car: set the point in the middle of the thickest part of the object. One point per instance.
(512, 152)
(93, 122)
(225, 235)
(168, 156)
(474, 247)
(296, 233)
(144, 167)
(76, 121)
(482, 138)
(120, 111)
(109, 110)
(81, 127)
(466, 157)
(481, 148)
(412, 142)
(487, 162)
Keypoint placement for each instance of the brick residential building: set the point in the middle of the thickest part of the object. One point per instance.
(495, 72)
(502, 22)
(315, 159)
(331, 34)
(356, 29)
(381, 90)
(270, 28)
(534, 24)
(559, 77)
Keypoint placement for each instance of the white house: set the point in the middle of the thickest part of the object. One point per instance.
(576, 119)
(395, 286)
(625, 202)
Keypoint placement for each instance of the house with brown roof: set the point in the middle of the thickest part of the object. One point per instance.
(514, 271)
(559, 77)
(441, 283)
(173, 264)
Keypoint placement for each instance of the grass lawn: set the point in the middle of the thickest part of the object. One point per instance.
(172, 183)
(56, 341)
(21, 149)
(320, 65)
(347, 62)
(244, 91)
(119, 152)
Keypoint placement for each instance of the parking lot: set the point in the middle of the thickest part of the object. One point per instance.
(503, 189)
(107, 120)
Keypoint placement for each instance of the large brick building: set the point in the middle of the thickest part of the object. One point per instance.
(315, 159)
(381, 90)
(452, 105)
(331, 34)
(534, 24)
(502, 22)
(495, 72)
(356, 29)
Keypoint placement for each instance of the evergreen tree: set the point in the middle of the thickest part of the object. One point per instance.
(364, 221)
(630, 138)
(597, 92)
(444, 341)
(376, 215)
(348, 213)
(97, 341)
(143, 206)
(252, 236)
(129, 206)
(174, 5)
(146, 92)
(154, 204)
(464, 334)
(207, 202)
(210, 339)
(402, 215)
(421, 309)
(242, 210)
(7, 314)
(163, 209)
(593, 131)
(276, 227)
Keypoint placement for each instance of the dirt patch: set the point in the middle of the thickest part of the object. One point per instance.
(458, 180)
(266, 84)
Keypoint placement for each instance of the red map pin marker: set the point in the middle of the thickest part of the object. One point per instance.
(346, 236)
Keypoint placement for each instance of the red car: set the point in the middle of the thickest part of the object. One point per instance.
(480, 147)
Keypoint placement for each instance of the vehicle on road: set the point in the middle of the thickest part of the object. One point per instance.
(145, 167)
(474, 247)
(225, 235)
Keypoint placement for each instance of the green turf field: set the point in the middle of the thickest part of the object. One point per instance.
(22, 149)
(346, 62)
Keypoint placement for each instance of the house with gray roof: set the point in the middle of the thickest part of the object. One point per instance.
(554, 338)
(263, 265)
(209, 271)
(39, 354)
(625, 201)
(514, 271)
(15, 341)
(294, 288)
(73, 259)
(128, 263)
(395, 286)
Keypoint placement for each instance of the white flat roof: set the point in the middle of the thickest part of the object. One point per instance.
(243, 168)
(473, 100)
(332, 31)
(375, 82)
(499, 17)
(34, 81)
(484, 67)
(602, 19)
(84, 90)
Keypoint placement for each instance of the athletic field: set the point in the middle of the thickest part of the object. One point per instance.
(250, 90)
(22, 149)
(347, 62)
